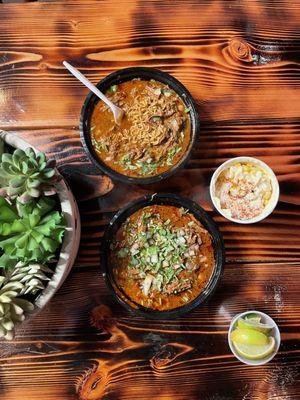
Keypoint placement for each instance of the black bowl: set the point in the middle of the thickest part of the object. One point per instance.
(201, 215)
(124, 75)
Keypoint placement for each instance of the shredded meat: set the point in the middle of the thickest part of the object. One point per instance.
(155, 123)
(178, 286)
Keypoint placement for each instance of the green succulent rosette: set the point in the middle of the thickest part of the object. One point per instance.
(31, 231)
(25, 175)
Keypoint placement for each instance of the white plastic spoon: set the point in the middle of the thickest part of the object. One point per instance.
(117, 112)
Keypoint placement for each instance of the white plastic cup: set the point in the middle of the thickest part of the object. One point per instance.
(275, 189)
(265, 319)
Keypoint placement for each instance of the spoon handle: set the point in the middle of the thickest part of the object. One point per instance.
(88, 84)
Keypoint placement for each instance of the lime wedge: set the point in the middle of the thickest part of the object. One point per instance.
(253, 317)
(254, 352)
(253, 324)
(249, 336)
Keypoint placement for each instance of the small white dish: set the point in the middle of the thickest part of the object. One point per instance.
(275, 189)
(266, 319)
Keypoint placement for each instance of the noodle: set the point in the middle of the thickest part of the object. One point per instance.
(152, 137)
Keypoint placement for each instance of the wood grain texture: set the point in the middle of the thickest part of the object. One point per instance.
(240, 60)
(259, 242)
(235, 57)
(136, 358)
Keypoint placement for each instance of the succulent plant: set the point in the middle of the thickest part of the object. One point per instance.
(31, 275)
(19, 280)
(12, 309)
(26, 175)
(32, 231)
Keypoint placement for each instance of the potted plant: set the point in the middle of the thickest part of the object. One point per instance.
(39, 231)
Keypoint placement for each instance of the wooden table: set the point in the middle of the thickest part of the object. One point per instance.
(240, 60)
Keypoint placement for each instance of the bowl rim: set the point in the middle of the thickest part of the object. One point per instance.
(274, 199)
(123, 75)
(277, 338)
(201, 215)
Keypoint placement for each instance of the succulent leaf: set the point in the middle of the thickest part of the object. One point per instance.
(19, 280)
(25, 174)
(36, 232)
(6, 263)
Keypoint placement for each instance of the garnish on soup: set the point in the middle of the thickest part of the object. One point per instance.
(162, 257)
(153, 135)
(243, 190)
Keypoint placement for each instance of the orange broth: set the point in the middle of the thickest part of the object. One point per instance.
(153, 135)
(162, 257)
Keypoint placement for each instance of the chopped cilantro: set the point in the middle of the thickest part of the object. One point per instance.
(155, 247)
(113, 88)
